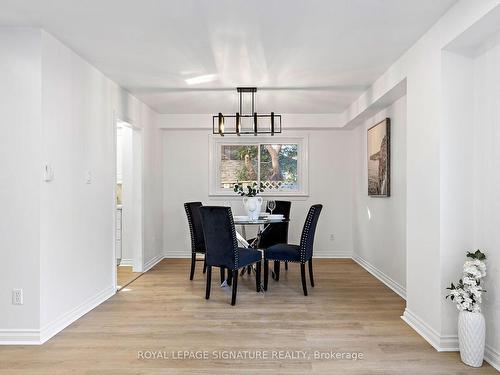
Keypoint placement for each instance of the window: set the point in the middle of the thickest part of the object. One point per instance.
(278, 163)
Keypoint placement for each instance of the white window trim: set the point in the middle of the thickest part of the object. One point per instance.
(215, 141)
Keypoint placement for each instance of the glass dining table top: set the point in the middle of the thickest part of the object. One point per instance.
(263, 219)
(260, 221)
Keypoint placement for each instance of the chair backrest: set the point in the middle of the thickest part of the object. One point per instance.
(195, 227)
(220, 237)
(277, 233)
(307, 238)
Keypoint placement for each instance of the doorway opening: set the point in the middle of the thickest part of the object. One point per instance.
(128, 227)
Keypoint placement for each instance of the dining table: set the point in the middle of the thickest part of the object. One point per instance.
(264, 222)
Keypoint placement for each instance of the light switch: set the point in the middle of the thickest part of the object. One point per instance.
(88, 177)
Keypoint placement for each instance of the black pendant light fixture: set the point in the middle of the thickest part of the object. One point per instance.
(249, 121)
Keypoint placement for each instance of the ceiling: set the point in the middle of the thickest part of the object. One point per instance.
(306, 56)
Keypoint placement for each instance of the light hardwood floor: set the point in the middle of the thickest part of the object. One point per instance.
(125, 275)
(348, 311)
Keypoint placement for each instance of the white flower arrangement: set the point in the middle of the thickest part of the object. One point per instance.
(467, 293)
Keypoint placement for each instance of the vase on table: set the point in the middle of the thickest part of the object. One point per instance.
(252, 207)
(471, 336)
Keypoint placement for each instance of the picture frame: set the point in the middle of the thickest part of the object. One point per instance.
(379, 159)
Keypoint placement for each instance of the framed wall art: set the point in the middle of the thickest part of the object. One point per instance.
(379, 159)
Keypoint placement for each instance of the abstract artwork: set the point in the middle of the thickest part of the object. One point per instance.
(379, 147)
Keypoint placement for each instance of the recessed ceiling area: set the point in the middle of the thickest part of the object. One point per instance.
(187, 56)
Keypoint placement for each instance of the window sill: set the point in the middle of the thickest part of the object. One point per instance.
(263, 195)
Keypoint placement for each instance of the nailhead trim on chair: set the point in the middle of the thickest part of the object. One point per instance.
(305, 234)
(191, 229)
(235, 239)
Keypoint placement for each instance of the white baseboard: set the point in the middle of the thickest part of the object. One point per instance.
(181, 254)
(438, 342)
(396, 287)
(20, 337)
(66, 319)
(332, 255)
(153, 262)
(492, 356)
(445, 343)
(39, 336)
(126, 262)
(185, 254)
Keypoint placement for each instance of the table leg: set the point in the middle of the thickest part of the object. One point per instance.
(241, 237)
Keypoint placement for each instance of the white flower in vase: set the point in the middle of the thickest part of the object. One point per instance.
(467, 295)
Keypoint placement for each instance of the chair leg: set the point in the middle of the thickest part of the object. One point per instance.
(229, 277)
(277, 270)
(193, 265)
(222, 274)
(311, 277)
(286, 266)
(209, 281)
(235, 287)
(303, 276)
(266, 273)
(258, 266)
(204, 265)
(249, 270)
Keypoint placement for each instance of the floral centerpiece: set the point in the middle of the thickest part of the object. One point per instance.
(251, 201)
(467, 296)
(252, 190)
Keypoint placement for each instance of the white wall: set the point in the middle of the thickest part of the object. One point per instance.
(185, 173)
(137, 165)
(421, 67)
(152, 190)
(127, 194)
(131, 110)
(486, 184)
(457, 177)
(470, 198)
(76, 230)
(20, 167)
(59, 235)
(79, 106)
(137, 227)
(119, 154)
(379, 224)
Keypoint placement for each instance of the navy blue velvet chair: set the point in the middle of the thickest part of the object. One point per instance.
(196, 230)
(276, 233)
(222, 247)
(296, 253)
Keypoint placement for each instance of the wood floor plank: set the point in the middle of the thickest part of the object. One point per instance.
(348, 311)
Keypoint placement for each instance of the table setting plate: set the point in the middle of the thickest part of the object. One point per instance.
(275, 217)
(240, 218)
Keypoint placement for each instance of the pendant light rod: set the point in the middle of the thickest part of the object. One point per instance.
(246, 90)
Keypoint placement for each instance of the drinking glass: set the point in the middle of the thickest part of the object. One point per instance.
(271, 205)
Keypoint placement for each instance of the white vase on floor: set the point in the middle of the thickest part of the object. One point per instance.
(471, 336)
(252, 207)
